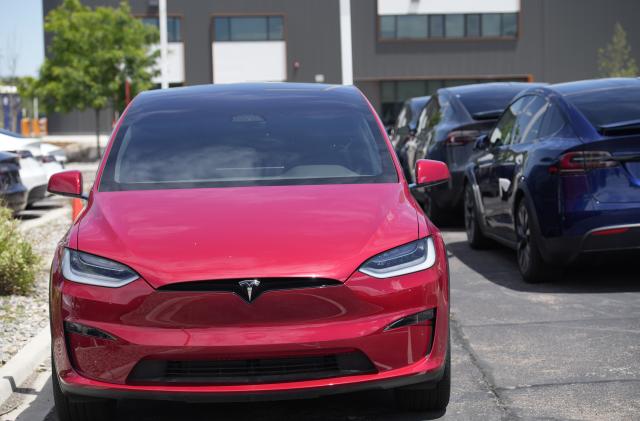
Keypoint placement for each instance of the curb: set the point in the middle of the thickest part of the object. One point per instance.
(22, 365)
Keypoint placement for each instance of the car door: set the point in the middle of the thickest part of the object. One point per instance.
(485, 162)
(511, 157)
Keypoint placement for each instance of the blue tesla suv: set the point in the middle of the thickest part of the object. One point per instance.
(447, 127)
(559, 175)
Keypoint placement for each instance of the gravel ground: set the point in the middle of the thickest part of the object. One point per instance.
(22, 317)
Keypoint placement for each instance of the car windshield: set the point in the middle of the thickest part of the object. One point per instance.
(255, 142)
(622, 105)
(483, 102)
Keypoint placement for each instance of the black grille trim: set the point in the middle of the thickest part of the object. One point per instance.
(266, 284)
(251, 371)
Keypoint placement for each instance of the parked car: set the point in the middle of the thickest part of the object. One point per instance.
(275, 251)
(13, 194)
(559, 175)
(405, 128)
(32, 172)
(50, 156)
(447, 129)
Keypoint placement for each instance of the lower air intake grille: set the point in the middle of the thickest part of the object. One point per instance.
(268, 370)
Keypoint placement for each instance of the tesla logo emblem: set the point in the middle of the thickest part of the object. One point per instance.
(248, 286)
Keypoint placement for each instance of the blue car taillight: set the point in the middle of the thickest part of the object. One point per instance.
(572, 163)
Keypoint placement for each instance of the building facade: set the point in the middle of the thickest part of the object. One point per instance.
(401, 48)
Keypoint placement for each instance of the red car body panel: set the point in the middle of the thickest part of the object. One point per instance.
(173, 236)
(285, 231)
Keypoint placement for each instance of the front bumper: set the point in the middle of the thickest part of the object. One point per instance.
(147, 324)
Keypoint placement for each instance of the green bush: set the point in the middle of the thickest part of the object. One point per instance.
(18, 262)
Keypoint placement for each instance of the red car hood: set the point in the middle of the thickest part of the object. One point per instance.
(171, 236)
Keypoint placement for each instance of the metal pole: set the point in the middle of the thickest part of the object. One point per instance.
(345, 42)
(164, 65)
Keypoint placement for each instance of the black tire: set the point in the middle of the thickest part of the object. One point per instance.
(475, 237)
(533, 267)
(70, 408)
(431, 397)
(436, 214)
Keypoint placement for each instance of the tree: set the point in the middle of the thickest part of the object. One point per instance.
(92, 53)
(615, 59)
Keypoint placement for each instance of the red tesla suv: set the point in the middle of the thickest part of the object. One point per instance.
(246, 242)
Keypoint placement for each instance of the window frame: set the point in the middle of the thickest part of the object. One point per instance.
(179, 17)
(465, 38)
(267, 16)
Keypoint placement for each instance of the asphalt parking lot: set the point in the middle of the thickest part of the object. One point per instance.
(562, 351)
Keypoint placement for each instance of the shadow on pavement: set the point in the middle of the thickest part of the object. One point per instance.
(379, 405)
(41, 405)
(591, 274)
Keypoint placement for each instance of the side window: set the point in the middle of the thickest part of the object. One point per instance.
(553, 122)
(529, 121)
(503, 132)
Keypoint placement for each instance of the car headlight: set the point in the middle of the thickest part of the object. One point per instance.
(409, 258)
(93, 270)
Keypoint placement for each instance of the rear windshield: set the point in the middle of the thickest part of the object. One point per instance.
(487, 102)
(606, 107)
(251, 142)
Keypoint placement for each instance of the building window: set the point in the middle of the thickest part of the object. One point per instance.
(470, 25)
(412, 26)
(394, 93)
(249, 28)
(436, 26)
(387, 27)
(454, 26)
(174, 33)
(491, 25)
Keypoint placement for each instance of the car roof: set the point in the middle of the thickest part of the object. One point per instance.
(419, 99)
(585, 86)
(244, 91)
(491, 86)
(10, 133)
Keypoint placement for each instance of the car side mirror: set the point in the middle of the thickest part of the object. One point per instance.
(430, 173)
(482, 142)
(66, 183)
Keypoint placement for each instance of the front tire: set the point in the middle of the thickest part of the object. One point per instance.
(431, 397)
(436, 214)
(533, 267)
(72, 408)
(476, 238)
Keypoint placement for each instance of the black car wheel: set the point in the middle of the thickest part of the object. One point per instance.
(72, 408)
(434, 212)
(533, 267)
(433, 397)
(475, 236)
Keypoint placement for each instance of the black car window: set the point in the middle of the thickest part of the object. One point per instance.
(481, 102)
(622, 104)
(529, 120)
(503, 132)
(553, 121)
(213, 142)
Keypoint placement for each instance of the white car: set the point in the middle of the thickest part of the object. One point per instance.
(33, 172)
